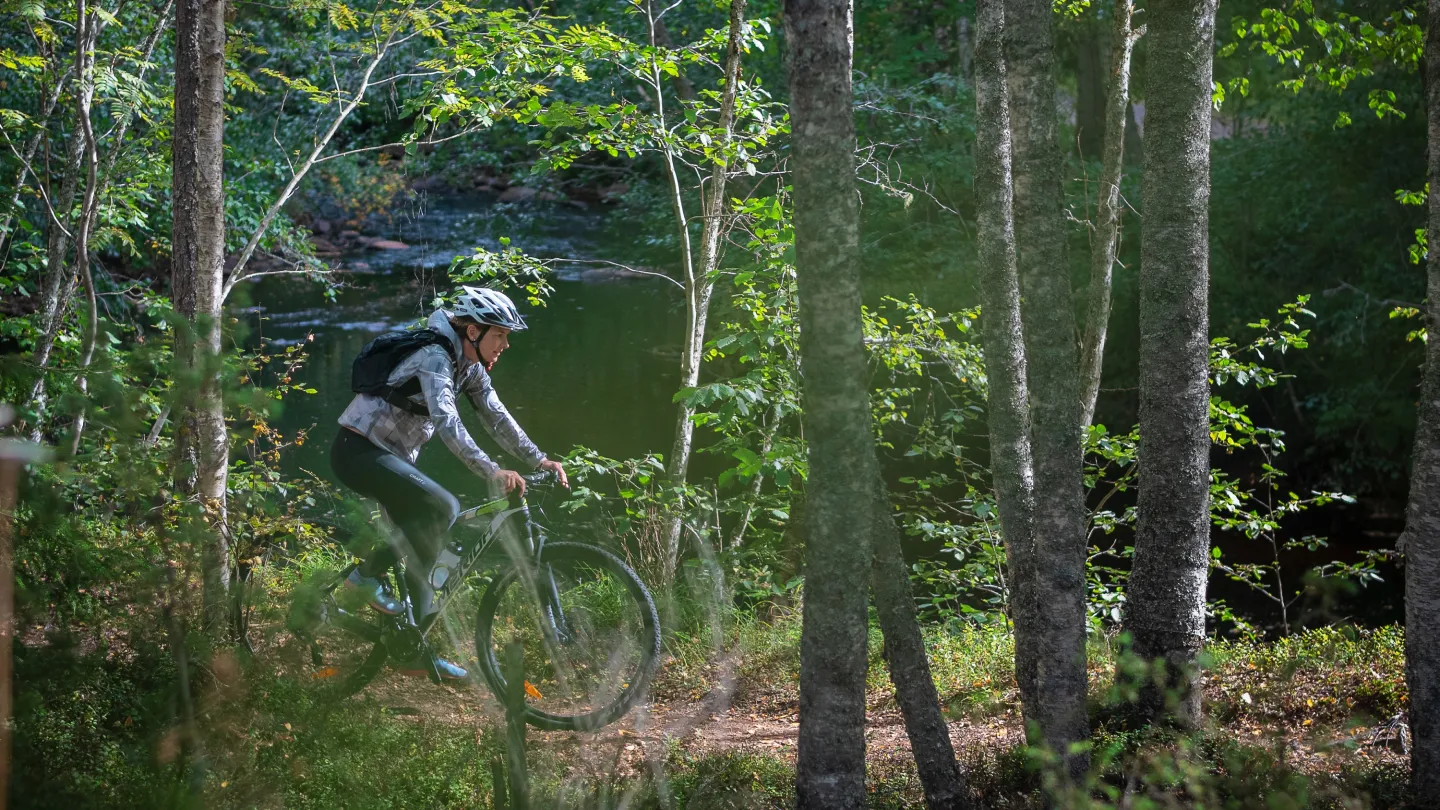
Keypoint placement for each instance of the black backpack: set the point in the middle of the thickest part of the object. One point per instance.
(377, 361)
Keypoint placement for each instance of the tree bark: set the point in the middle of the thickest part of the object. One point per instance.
(1166, 608)
(9, 484)
(909, 667)
(1008, 406)
(1092, 119)
(964, 50)
(841, 491)
(198, 240)
(1058, 709)
(1106, 233)
(1421, 541)
(699, 281)
(84, 68)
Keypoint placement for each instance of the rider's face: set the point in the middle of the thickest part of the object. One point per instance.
(495, 341)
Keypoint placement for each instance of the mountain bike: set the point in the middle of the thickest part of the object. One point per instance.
(586, 623)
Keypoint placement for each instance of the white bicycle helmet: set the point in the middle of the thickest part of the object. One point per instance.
(487, 306)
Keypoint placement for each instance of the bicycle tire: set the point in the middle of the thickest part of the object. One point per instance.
(351, 680)
(351, 683)
(490, 666)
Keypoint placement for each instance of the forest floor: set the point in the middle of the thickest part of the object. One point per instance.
(1317, 716)
(1328, 705)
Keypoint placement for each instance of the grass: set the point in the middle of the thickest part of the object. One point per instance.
(1291, 722)
(1328, 676)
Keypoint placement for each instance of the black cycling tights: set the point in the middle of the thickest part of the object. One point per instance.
(422, 509)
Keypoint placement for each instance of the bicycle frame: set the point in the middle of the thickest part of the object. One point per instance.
(460, 566)
(470, 559)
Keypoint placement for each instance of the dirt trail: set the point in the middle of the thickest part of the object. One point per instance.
(714, 724)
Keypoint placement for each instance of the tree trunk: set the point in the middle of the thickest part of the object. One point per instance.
(841, 492)
(1166, 609)
(964, 50)
(58, 287)
(909, 667)
(699, 282)
(1008, 407)
(1421, 541)
(198, 239)
(1106, 234)
(1058, 710)
(84, 68)
(684, 90)
(1092, 119)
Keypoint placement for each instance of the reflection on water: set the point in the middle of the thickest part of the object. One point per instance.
(598, 366)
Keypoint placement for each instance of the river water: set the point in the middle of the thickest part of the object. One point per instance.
(598, 366)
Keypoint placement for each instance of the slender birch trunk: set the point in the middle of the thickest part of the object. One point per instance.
(97, 181)
(842, 502)
(84, 68)
(58, 287)
(1421, 541)
(756, 483)
(198, 239)
(699, 280)
(1057, 712)
(1008, 403)
(1106, 235)
(1165, 614)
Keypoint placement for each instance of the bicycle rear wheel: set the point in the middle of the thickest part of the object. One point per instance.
(599, 663)
(347, 648)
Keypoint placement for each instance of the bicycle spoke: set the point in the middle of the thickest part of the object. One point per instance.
(586, 638)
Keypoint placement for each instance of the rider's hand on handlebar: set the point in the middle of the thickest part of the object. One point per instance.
(509, 480)
(551, 465)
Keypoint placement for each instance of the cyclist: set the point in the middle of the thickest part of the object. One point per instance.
(380, 436)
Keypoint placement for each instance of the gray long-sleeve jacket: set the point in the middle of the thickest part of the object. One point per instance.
(403, 433)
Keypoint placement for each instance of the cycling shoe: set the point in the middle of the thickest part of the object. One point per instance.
(375, 592)
(421, 668)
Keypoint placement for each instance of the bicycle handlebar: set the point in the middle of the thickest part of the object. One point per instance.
(534, 482)
(541, 478)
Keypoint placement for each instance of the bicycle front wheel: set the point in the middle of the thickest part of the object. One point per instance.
(589, 631)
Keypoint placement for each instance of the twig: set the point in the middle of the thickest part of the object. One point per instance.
(625, 267)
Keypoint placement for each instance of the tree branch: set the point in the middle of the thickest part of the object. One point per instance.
(1106, 234)
(237, 274)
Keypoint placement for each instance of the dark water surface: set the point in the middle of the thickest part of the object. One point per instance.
(598, 366)
(600, 363)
